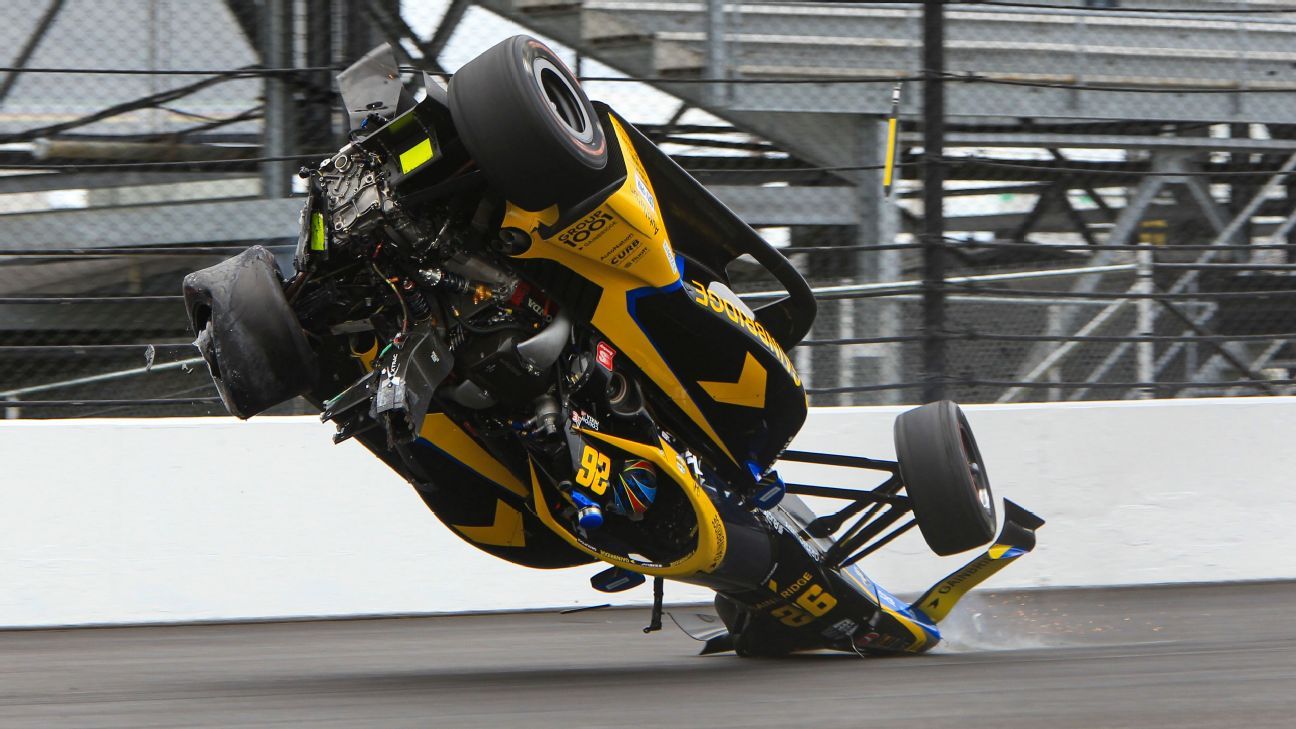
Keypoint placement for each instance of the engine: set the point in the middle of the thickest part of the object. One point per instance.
(428, 303)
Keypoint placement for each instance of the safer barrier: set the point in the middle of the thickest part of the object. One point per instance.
(168, 520)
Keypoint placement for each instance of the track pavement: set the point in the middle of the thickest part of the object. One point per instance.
(1183, 657)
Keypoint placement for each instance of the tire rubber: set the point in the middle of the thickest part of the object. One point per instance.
(514, 133)
(248, 334)
(935, 448)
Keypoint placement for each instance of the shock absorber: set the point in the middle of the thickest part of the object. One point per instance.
(440, 278)
(415, 300)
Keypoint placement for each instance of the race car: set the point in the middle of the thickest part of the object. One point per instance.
(512, 297)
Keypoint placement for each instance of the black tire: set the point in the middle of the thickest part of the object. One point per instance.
(945, 477)
(528, 125)
(254, 347)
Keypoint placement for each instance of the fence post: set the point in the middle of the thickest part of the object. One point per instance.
(933, 230)
(277, 52)
(1146, 322)
(717, 57)
(880, 317)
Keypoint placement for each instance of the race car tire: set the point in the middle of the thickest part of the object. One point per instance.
(254, 346)
(529, 126)
(945, 477)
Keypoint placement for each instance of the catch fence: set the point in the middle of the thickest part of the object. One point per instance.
(1115, 178)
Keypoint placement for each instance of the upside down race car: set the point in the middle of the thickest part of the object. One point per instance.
(514, 299)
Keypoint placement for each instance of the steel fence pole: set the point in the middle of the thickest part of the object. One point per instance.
(933, 228)
(1146, 322)
(717, 57)
(277, 52)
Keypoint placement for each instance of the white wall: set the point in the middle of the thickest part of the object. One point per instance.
(105, 521)
(1133, 492)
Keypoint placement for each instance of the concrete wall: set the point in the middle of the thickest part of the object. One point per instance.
(196, 519)
(1134, 492)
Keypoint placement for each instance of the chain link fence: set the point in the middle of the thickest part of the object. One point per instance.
(1117, 178)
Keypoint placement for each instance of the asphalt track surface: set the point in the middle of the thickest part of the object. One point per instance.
(1183, 657)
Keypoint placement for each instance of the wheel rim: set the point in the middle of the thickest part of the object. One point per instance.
(206, 343)
(563, 99)
(979, 481)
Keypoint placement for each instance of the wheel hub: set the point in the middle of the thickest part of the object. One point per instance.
(563, 100)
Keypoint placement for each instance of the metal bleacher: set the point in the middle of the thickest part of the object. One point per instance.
(1150, 90)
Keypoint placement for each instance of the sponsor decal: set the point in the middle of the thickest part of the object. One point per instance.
(963, 575)
(645, 194)
(880, 640)
(812, 603)
(840, 629)
(717, 525)
(709, 299)
(867, 638)
(537, 308)
(618, 256)
(587, 230)
(776, 526)
(792, 589)
(584, 420)
(526, 296)
(604, 354)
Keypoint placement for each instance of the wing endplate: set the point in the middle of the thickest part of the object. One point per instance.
(1015, 539)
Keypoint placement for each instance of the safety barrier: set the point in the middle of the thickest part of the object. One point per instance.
(168, 520)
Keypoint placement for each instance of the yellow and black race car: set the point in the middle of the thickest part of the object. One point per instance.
(512, 297)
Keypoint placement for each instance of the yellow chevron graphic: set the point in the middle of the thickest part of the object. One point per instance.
(505, 532)
(443, 433)
(748, 391)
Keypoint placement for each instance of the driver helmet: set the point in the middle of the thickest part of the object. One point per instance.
(634, 489)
